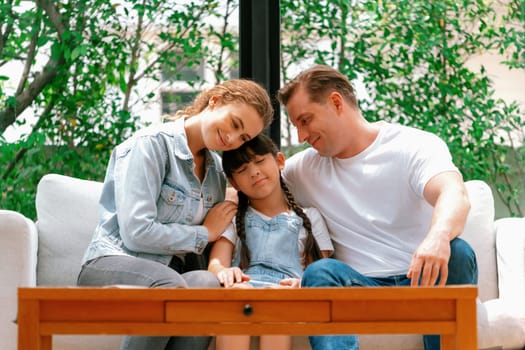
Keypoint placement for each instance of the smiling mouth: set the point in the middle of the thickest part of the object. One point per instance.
(258, 182)
(221, 139)
(313, 141)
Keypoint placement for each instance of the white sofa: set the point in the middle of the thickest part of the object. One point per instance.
(48, 253)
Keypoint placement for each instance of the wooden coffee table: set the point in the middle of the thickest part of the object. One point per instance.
(449, 311)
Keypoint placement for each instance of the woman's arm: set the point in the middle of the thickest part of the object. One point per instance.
(140, 171)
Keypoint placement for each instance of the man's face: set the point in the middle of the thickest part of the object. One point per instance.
(316, 123)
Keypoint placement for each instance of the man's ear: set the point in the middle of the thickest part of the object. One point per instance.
(336, 100)
(280, 160)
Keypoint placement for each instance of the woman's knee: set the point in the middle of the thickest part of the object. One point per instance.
(201, 278)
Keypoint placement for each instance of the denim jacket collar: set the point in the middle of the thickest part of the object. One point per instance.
(182, 150)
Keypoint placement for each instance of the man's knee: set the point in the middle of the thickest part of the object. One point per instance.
(462, 253)
(321, 273)
(463, 268)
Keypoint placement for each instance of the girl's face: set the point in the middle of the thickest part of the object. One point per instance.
(260, 177)
(228, 126)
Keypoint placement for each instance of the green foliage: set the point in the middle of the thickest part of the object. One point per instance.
(18, 189)
(411, 57)
(83, 63)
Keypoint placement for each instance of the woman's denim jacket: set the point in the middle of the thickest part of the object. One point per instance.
(151, 195)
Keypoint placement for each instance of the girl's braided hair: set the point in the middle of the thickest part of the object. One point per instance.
(233, 160)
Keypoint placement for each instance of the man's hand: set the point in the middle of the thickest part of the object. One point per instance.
(447, 194)
(430, 261)
(290, 282)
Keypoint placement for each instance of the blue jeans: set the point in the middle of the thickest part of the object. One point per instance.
(121, 269)
(462, 269)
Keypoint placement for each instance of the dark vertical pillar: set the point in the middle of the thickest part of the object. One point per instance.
(259, 50)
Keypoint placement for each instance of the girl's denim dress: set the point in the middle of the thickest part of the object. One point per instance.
(274, 248)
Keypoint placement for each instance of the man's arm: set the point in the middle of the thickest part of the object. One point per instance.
(447, 194)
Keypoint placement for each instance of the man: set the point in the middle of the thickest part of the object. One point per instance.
(393, 200)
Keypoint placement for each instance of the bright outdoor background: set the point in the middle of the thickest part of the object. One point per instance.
(78, 77)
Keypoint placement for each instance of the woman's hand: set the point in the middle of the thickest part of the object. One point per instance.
(218, 219)
(230, 276)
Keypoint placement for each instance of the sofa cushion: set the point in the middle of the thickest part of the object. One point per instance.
(67, 210)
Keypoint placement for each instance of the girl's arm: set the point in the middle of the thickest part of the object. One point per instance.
(220, 264)
(327, 253)
(320, 231)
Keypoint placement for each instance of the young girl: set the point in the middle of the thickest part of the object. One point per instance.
(163, 199)
(272, 240)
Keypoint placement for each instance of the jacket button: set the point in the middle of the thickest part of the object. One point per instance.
(201, 246)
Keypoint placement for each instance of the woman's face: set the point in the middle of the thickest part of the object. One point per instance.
(228, 126)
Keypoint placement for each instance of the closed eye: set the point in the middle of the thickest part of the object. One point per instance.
(304, 121)
(238, 124)
(235, 124)
(241, 169)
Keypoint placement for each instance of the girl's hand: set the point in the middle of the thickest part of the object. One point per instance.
(218, 219)
(231, 276)
(290, 282)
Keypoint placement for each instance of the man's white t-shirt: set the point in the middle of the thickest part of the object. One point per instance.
(373, 202)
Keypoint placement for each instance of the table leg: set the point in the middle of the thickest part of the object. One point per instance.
(28, 325)
(467, 324)
(448, 342)
(46, 342)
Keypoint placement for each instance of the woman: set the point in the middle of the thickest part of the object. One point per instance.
(162, 198)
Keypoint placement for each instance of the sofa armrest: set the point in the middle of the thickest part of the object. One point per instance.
(510, 247)
(506, 315)
(18, 249)
(18, 257)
